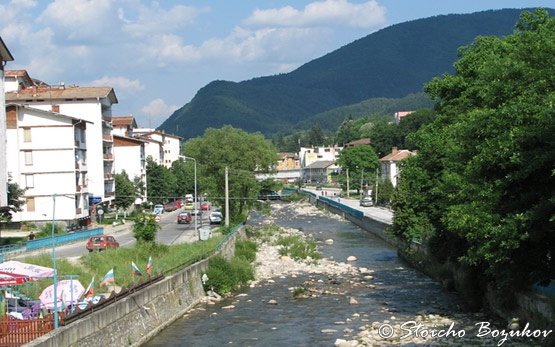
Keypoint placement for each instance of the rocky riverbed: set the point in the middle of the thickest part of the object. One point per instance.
(352, 283)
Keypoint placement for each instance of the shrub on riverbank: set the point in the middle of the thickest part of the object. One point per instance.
(225, 276)
(246, 249)
(298, 248)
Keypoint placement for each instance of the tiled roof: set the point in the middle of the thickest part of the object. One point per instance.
(19, 73)
(62, 92)
(283, 155)
(122, 121)
(365, 141)
(322, 164)
(397, 155)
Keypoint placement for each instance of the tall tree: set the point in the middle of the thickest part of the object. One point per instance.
(125, 191)
(361, 161)
(482, 182)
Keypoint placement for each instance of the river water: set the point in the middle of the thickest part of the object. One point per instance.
(401, 293)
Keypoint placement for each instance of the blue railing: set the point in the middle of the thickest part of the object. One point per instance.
(62, 239)
(342, 207)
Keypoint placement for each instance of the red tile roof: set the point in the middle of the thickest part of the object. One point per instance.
(365, 141)
(122, 121)
(62, 92)
(398, 154)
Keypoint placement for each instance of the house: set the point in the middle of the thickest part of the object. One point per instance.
(390, 164)
(47, 156)
(90, 104)
(308, 155)
(288, 161)
(319, 171)
(162, 147)
(123, 125)
(5, 56)
(354, 143)
(129, 153)
(288, 169)
(399, 115)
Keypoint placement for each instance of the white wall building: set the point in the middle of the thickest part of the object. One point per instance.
(5, 56)
(91, 104)
(162, 147)
(309, 155)
(47, 155)
(390, 164)
(130, 157)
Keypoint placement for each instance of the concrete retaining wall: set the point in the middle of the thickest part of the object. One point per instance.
(140, 316)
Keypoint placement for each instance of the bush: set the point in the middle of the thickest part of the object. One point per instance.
(246, 249)
(46, 230)
(225, 276)
(298, 247)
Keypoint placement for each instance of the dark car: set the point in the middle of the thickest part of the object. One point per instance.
(184, 218)
(101, 243)
(170, 207)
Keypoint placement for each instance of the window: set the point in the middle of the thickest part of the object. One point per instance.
(26, 134)
(30, 202)
(28, 157)
(29, 181)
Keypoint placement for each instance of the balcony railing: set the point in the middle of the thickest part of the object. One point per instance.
(107, 138)
(108, 156)
(109, 193)
(108, 176)
(78, 210)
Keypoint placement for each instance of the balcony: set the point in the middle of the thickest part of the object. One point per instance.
(108, 156)
(78, 210)
(109, 193)
(107, 138)
(108, 176)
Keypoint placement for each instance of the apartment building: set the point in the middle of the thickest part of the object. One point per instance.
(5, 56)
(130, 157)
(47, 156)
(317, 163)
(162, 147)
(90, 104)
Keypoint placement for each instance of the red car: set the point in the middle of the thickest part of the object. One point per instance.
(205, 206)
(101, 243)
(184, 217)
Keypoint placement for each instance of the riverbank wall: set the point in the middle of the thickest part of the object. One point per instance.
(531, 307)
(138, 317)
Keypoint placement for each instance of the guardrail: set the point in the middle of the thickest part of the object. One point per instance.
(333, 202)
(63, 239)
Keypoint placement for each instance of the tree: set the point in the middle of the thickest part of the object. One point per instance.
(482, 182)
(161, 182)
(145, 228)
(315, 135)
(243, 153)
(15, 202)
(125, 191)
(361, 161)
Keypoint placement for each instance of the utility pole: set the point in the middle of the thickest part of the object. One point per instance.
(226, 197)
(361, 181)
(348, 188)
(376, 186)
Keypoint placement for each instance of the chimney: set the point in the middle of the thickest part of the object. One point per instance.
(394, 150)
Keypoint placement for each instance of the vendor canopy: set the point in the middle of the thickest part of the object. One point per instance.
(7, 279)
(67, 291)
(20, 269)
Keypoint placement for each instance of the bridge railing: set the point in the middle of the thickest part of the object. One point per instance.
(63, 239)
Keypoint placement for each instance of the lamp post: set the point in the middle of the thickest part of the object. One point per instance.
(55, 275)
(195, 198)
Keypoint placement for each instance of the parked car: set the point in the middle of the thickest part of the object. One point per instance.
(215, 218)
(366, 201)
(170, 207)
(101, 243)
(158, 209)
(189, 198)
(179, 203)
(184, 217)
(205, 206)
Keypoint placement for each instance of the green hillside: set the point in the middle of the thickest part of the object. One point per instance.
(391, 63)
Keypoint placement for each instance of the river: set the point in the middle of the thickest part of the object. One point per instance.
(397, 294)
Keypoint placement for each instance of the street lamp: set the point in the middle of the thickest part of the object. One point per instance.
(195, 198)
(55, 275)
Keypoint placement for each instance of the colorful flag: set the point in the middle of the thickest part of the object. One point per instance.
(135, 270)
(149, 265)
(108, 278)
(89, 292)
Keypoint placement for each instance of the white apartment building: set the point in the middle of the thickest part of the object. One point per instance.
(390, 164)
(315, 159)
(123, 125)
(47, 156)
(130, 157)
(5, 56)
(91, 104)
(162, 147)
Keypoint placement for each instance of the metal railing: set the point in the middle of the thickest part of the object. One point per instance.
(62, 239)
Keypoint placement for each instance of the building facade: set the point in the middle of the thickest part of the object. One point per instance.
(390, 164)
(5, 56)
(130, 157)
(162, 147)
(47, 156)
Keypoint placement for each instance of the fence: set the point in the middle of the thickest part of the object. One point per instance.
(15, 332)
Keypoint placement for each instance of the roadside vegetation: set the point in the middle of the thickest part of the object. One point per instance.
(298, 247)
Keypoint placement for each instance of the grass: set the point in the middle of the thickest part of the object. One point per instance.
(298, 248)
(166, 259)
(264, 233)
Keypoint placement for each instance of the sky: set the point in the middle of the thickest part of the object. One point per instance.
(158, 54)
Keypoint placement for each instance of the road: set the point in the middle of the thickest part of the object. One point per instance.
(170, 233)
(381, 214)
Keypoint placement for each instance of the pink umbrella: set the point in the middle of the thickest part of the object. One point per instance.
(68, 291)
(7, 279)
(24, 269)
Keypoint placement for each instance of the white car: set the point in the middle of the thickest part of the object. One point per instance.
(215, 218)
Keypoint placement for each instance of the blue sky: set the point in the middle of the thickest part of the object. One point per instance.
(158, 54)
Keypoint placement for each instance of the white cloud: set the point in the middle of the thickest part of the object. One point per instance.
(119, 83)
(326, 12)
(141, 20)
(79, 19)
(158, 108)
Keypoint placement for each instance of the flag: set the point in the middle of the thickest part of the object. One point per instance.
(89, 292)
(149, 265)
(135, 270)
(108, 278)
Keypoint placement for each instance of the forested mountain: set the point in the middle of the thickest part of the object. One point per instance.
(391, 63)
